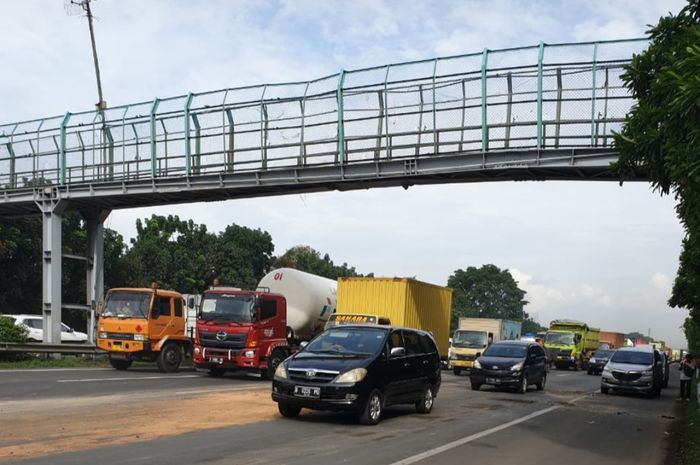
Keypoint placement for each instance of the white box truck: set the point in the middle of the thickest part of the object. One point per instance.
(473, 335)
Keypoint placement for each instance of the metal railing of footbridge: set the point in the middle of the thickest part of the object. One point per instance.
(547, 96)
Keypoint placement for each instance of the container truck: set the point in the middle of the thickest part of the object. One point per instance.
(571, 343)
(611, 340)
(255, 330)
(403, 302)
(473, 335)
(143, 324)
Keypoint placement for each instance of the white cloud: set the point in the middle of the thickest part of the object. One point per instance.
(661, 281)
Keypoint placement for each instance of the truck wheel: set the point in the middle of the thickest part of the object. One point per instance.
(216, 371)
(277, 357)
(456, 371)
(289, 411)
(119, 364)
(372, 412)
(476, 387)
(425, 404)
(169, 358)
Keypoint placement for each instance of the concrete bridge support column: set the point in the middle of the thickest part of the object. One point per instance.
(94, 222)
(52, 216)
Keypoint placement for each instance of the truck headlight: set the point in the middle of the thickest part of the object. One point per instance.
(281, 371)
(249, 354)
(517, 367)
(592, 360)
(139, 337)
(477, 365)
(353, 376)
(103, 335)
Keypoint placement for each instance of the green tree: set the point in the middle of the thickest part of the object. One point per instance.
(661, 134)
(305, 258)
(184, 256)
(486, 292)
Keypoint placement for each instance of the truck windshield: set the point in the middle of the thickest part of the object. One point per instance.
(127, 304)
(238, 308)
(476, 339)
(348, 341)
(564, 339)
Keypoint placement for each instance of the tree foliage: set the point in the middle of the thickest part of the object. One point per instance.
(486, 292)
(305, 258)
(660, 138)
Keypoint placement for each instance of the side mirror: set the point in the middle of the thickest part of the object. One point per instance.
(478, 354)
(190, 302)
(397, 352)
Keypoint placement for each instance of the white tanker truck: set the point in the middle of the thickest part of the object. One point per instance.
(310, 299)
(255, 330)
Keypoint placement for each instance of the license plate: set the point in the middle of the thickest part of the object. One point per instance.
(307, 391)
(493, 380)
(218, 360)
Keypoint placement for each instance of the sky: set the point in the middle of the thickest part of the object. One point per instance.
(593, 251)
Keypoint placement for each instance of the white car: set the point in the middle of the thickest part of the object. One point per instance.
(35, 332)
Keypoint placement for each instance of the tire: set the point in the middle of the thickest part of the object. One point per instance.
(522, 389)
(476, 387)
(589, 371)
(425, 404)
(120, 364)
(216, 371)
(288, 411)
(169, 358)
(277, 357)
(540, 386)
(456, 371)
(372, 412)
(604, 390)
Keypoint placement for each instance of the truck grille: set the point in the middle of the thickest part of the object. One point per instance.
(463, 357)
(312, 375)
(626, 375)
(222, 340)
(120, 336)
(564, 353)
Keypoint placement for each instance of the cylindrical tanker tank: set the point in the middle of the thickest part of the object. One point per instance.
(310, 299)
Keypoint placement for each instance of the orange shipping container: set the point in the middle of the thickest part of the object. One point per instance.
(614, 340)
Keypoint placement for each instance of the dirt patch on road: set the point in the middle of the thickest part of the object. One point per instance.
(63, 427)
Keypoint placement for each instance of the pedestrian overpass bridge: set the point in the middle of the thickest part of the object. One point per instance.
(543, 112)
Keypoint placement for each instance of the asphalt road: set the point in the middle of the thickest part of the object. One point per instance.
(570, 422)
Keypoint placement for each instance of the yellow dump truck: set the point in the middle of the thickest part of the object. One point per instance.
(143, 324)
(400, 302)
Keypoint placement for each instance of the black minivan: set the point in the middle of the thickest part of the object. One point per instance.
(360, 368)
(515, 364)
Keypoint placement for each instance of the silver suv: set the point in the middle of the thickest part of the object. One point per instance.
(634, 369)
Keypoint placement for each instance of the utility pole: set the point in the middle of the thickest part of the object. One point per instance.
(85, 6)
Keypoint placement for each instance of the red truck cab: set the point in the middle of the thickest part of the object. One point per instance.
(240, 330)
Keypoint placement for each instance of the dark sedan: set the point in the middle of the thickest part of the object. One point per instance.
(598, 360)
(515, 364)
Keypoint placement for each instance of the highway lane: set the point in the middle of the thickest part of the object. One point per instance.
(17, 385)
(568, 421)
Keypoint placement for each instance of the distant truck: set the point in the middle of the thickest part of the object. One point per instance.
(143, 324)
(570, 343)
(473, 335)
(611, 340)
(254, 330)
(400, 302)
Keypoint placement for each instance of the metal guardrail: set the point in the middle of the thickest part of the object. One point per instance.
(547, 96)
(40, 348)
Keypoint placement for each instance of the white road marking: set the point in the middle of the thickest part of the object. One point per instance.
(474, 437)
(563, 374)
(95, 380)
(39, 370)
(219, 390)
